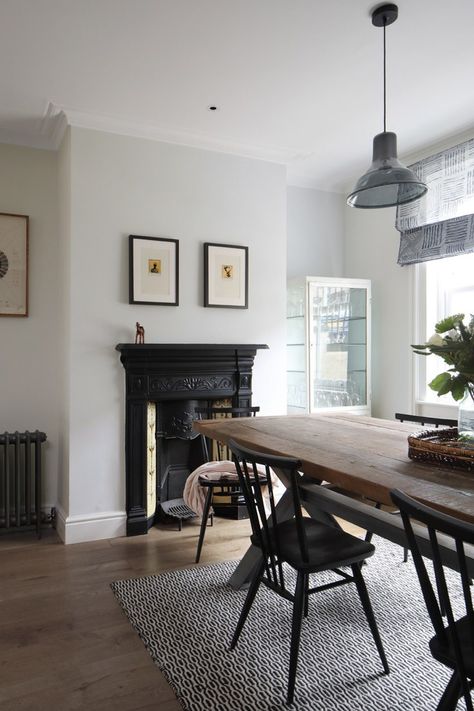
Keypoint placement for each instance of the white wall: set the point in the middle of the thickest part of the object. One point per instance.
(315, 227)
(371, 252)
(64, 226)
(121, 186)
(29, 346)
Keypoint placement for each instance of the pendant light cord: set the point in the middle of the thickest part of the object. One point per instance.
(384, 79)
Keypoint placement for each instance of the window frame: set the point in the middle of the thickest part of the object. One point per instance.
(446, 407)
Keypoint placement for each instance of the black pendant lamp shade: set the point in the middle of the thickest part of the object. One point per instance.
(387, 182)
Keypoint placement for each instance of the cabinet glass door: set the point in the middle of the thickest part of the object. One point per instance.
(338, 346)
(297, 399)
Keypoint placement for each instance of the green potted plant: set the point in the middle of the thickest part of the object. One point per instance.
(453, 341)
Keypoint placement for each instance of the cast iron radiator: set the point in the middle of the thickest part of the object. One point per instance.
(20, 480)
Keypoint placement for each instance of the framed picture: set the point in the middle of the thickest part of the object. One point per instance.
(13, 265)
(225, 275)
(154, 270)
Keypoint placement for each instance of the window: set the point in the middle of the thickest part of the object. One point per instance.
(445, 287)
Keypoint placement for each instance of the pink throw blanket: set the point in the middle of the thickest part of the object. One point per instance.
(194, 494)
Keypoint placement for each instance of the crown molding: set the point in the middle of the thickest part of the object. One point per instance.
(53, 125)
(111, 124)
(301, 179)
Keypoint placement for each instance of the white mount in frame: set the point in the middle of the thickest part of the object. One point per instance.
(225, 275)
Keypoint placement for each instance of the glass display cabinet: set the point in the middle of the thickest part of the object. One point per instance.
(328, 345)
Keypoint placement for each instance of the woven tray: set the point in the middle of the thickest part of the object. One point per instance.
(441, 447)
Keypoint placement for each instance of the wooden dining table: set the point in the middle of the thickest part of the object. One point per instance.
(359, 460)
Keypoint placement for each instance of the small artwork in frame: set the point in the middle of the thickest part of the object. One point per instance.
(13, 265)
(154, 270)
(225, 275)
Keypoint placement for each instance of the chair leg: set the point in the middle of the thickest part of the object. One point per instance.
(205, 516)
(252, 591)
(369, 534)
(298, 608)
(452, 694)
(369, 613)
(306, 596)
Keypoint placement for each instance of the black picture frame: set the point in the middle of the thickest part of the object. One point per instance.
(226, 275)
(153, 270)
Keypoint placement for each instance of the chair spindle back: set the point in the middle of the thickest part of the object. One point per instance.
(461, 533)
(256, 472)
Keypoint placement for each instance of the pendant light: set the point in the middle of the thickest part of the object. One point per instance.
(387, 182)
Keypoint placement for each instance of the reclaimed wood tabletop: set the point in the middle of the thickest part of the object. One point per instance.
(365, 456)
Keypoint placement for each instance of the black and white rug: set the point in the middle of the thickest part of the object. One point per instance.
(186, 619)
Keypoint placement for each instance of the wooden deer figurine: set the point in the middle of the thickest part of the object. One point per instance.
(140, 334)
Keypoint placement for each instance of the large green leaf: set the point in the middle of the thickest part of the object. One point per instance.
(447, 324)
(441, 384)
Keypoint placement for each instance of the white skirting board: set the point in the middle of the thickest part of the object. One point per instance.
(90, 527)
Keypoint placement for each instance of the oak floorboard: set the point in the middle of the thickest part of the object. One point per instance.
(64, 641)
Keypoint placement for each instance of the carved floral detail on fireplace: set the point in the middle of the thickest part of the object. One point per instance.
(189, 383)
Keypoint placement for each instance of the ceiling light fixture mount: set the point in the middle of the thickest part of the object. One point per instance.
(388, 182)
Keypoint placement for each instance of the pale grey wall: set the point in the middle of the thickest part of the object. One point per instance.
(121, 186)
(315, 227)
(371, 251)
(29, 387)
(327, 238)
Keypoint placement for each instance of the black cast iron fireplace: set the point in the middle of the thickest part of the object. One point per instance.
(164, 385)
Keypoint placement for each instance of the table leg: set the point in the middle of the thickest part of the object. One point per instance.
(245, 570)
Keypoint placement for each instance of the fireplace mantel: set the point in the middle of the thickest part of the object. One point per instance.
(167, 372)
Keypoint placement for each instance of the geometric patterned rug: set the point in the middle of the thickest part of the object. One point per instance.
(186, 619)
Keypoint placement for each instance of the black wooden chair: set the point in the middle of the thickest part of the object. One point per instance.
(422, 420)
(303, 543)
(453, 643)
(224, 492)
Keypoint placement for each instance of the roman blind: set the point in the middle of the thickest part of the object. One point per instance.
(440, 224)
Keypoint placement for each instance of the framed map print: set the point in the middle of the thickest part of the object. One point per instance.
(13, 265)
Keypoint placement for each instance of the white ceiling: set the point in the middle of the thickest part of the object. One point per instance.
(296, 81)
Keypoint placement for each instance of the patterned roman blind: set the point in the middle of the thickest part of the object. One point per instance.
(440, 224)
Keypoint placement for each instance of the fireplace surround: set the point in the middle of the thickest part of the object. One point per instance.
(163, 384)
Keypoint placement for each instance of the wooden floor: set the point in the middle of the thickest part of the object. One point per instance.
(64, 641)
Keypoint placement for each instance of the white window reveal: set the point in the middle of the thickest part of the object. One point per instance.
(444, 287)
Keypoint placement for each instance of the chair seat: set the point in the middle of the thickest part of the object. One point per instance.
(223, 480)
(444, 653)
(323, 541)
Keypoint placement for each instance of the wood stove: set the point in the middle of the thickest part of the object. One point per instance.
(164, 385)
